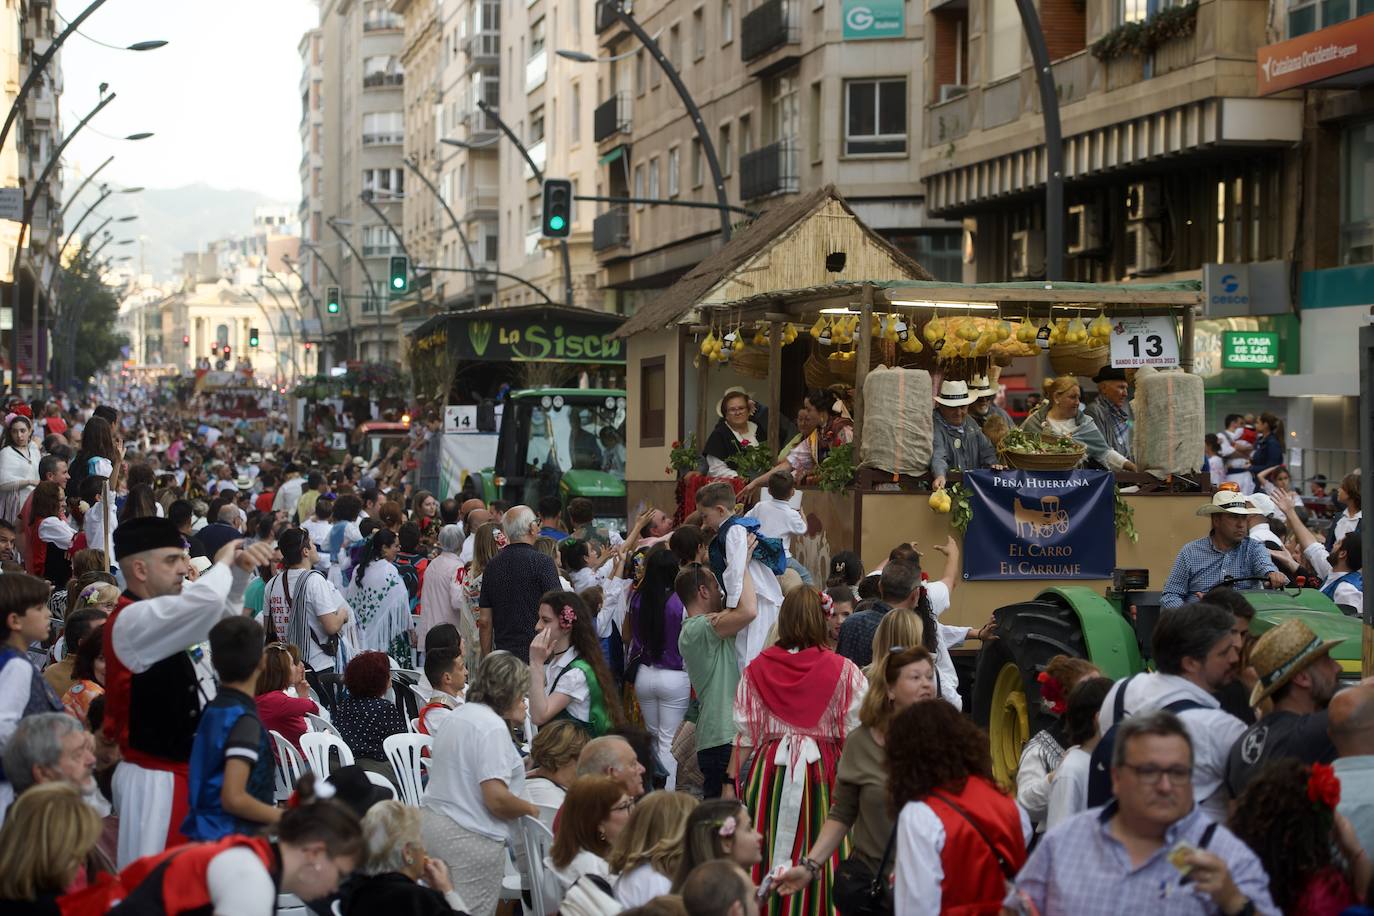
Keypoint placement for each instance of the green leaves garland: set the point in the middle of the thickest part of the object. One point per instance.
(1144, 36)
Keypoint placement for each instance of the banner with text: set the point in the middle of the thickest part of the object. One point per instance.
(1040, 525)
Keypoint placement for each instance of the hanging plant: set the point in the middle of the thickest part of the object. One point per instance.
(836, 470)
(1144, 36)
(685, 455)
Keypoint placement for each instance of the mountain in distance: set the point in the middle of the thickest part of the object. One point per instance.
(171, 221)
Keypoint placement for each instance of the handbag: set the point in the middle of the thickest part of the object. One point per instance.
(856, 890)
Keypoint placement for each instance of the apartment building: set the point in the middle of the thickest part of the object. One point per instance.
(361, 92)
(420, 57)
(311, 213)
(795, 94)
(547, 102)
(10, 80)
(469, 72)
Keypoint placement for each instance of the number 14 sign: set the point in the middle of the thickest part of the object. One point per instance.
(1142, 341)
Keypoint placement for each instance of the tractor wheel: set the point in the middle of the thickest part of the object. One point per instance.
(1006, 694)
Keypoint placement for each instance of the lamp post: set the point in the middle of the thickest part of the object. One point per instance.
(539, 177)
(414, 166)
(314, 301)
(708, 146)
(290, 333)
(371, 284)
(366, 198)
(81, 187)
(1054, 140)
(348, 317)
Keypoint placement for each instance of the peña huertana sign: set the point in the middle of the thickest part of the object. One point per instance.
(1040, 525)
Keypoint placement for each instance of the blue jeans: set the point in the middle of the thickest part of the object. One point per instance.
(802, 571)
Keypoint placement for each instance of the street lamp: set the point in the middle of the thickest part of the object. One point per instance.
(106, 191)
(582, 57)
(334, 224)
(463, 144)
(414, 166)
(348, 317)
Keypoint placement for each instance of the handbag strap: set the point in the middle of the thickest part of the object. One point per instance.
(879, 885)
(1002, 862)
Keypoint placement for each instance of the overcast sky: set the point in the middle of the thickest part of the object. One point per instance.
(223, 97)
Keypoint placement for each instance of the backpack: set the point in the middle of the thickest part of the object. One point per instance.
(1100, 769)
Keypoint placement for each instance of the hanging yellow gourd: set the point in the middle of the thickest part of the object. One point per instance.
(761, 335)
(818, 327)
(709, 344)
(789, 333)
(1003, 330)
(1101, 327)
(934, 330)
(1025, 332)
(912, 344)
(969, 330)
(1077, 331)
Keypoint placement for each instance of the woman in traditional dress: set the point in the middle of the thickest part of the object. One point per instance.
(829, 427)
(380, 603)
(796, 702)
(18, 467)
(569, 678)
(734, 432)
(1058, 415)
(48, 536)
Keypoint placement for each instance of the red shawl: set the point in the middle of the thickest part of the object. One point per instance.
(796, 687)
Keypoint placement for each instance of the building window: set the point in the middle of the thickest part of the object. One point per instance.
(1309, 15)
(536, 126)
(653, 178)
(653, 402)
(698, 33)
(698, 164)
(575, 124)
(727, 21)
(746, 135)
(726, 152)
(1004, 47)
(673, 49)
(383, 127)
(639, 73)
(385, 183)
(784, 116)
(816, 122)
(639, 184)
(674, 166)
(1357, 195)
(537, 37)
(874, 117)
(1131, 11)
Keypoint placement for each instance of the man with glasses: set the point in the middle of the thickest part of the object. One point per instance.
(1151, 848)
(1195, 651)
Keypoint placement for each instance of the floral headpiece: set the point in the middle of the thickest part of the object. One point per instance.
(501, 540)
(90, 590)
(22, 410)
(566, 617)
(827, 605)
(1323, 787)
(323, 790)
(727, 826)
(1052, 693)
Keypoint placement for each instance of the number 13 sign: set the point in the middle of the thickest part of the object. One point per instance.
(1140, 341)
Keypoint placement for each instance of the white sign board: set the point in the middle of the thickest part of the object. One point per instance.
(12, 204)
(339, 442)
(1142, 341)
(460, 418)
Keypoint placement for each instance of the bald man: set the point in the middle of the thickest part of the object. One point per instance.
(1351, 728)
(473, 519)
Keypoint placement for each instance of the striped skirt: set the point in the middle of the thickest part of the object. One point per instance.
(763, 796)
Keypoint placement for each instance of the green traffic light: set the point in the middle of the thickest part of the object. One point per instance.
(556, 223)
(398, 282)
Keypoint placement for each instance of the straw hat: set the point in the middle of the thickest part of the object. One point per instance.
(980, 386)
(1282, 652)
(1229, 502)
(954, 394)
(1265, 506)
(732, 390)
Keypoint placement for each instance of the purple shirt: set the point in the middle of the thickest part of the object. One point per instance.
(671, 659)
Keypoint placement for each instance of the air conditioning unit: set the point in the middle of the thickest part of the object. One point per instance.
(1142, 249)
(1083, 231)
(1142, 200)
(1027, 253)
(952, 91)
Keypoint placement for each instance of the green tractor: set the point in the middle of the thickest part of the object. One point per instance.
(561, 442)
(1113, 630)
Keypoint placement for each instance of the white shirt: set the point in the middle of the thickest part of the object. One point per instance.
(584, 863)
(750, 641)
(779, 519)
(56, 531)
(97, 518)
(944, 664)
(918, 871)
(1212, 730)
(473, 746)
(1345, 524)
(573, 684)
(288, 496)
(1069, 791)
(239, 884)
(641, 884)
(465, 555)
(319, 598)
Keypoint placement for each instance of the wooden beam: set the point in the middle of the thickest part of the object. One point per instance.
(774, 383)
(861, 362)
(1185, 346)
(703, 375)
(1089, 297)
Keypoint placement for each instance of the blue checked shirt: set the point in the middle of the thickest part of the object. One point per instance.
(1080, 869)
(1199, 566)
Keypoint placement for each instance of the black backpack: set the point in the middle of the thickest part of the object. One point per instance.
(1100, 770)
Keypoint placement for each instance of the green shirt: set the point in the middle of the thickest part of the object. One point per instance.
(713, 669)
(253, 595)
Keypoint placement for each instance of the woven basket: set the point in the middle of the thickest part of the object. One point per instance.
(1044, 461)
(750, 361)
(817, 372)
(1078, 358)
(842, 370)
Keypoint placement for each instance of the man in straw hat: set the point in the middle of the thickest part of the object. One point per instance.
(1296, 671)
(959, 443)
(984, 407)
(1111, 410)
(1225, 552)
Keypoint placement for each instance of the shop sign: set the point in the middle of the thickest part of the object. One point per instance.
(874, 19)
(1144, 341)
(1330, 57)
(537, 341)
(1028, 525)
(1249, 350)
(1232, 290)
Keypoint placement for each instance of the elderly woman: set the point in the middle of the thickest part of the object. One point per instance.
(365, 718)
(1059, 415)
(734, 432)
(388, 880)
(441, 595)
(476, 779)
(554, 751)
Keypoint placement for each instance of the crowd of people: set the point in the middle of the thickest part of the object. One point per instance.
(680, 717)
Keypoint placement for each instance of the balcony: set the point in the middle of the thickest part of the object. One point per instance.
(483, 50)
(768, 171)
(383, 22)
(532, 238)
(383, 139)
(611, 229)
(767, 27)
(539, 153)
(605, 18)
(384, 80)
(612, 117)
(482, 199)
(381, 251)
(536, 70)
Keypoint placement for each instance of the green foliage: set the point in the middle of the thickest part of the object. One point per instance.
(751, 460)
(836, 471)
(1123, 517)
(1143, 37)
(685, 455)
(961, 510)
(83, 329)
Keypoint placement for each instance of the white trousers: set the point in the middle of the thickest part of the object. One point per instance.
(143, 800)
(663, 695)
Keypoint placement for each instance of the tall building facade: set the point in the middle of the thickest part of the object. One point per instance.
(794, 94)
(420, 57)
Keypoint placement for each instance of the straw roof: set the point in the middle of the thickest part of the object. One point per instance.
(775, 226)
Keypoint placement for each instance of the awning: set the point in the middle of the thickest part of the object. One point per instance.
(613, 155)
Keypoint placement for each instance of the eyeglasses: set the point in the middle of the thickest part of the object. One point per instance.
(1149, 773)
(624, 806)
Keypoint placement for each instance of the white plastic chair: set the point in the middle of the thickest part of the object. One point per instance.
(403, 752)
(316, 747)
(290, 765)
(413, 725)
(291, 905)
(421, 698)
(377, 779)
(319, 724)
(545, 890)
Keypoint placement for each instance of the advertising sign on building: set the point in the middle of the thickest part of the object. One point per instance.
(1029, 525)
(1259, 288)
(12, 204)
(1144, 341)
(1249, 350)
(874, 19)
(1337, 56)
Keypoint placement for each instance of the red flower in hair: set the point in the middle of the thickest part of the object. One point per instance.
(1324, 786)
(827, 605)
(566, 617)
(23, 410)
(1052, 693)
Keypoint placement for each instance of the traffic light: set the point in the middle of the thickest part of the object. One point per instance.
(185, 340)
(226, 351)
(331, 298)
(308, 346)
(557, 208)
(253, 337)
(400, 274)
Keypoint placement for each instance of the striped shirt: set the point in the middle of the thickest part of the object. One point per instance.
(1200, 566)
